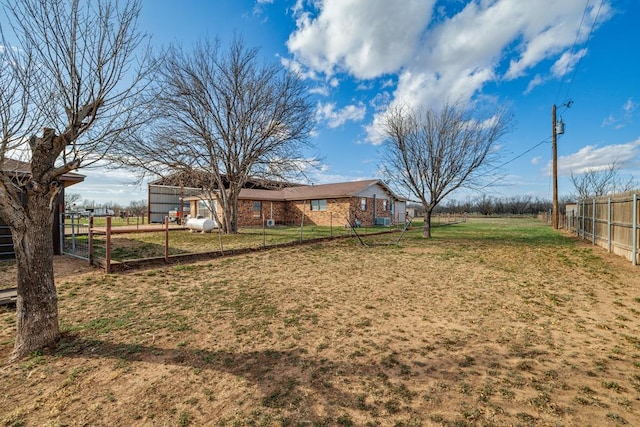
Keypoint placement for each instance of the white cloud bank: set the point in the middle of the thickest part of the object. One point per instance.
(594, 157)
(446, 58)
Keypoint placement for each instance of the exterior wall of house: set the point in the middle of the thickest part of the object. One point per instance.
(275, 210)
(379, 204)
(336, 212)
(248, 216)
(374, 208)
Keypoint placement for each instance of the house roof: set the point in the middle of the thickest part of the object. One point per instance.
(331, 191)
(337, 190)
(23, 169)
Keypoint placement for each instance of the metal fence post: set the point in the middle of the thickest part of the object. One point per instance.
(91, 240)
(166, 239)
(73, 233)
(108, 247)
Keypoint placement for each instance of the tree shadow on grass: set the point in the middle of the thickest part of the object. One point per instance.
(313, 389)
(286, 379)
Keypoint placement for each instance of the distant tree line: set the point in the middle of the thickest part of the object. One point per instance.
(74, 201)
(488, 205)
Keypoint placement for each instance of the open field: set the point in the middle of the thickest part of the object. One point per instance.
(494, 322)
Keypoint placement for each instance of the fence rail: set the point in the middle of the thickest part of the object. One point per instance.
(121, 247)
(609, 222)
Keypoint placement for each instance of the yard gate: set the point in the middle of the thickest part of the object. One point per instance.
(74, 235)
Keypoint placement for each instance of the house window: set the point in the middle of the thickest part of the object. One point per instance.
(363, 204)
(385, 204)
(319, 205)
(204, 209)
(257, 209)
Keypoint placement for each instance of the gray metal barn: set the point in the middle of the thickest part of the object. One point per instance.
(163, 198)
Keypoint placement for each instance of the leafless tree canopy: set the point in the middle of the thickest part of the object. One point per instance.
(598, 182)
(71, 199)
(223, 113)
(432, 153)
(72, 76)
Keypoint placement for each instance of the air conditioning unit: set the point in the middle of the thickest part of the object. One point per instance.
(270, 223)
(383, 221)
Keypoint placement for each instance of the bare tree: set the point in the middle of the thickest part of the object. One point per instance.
(518, 205)
(137, 207)
(223, 117)
(63, 77)
(433, 153)
(70, 199)
(595, 182)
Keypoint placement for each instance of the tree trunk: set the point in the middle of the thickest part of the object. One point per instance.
(37, 304)
(231, 211)
(426, 231)
(234, 212)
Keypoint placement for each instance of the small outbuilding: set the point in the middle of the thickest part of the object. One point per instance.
(21, 170)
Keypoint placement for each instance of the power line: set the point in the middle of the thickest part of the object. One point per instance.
(573, 47)
(510, 161)
(517, 157)
(586, 45)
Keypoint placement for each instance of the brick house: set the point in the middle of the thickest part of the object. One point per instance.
(370, 202)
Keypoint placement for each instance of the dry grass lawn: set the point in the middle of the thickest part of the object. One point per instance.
(496, 322)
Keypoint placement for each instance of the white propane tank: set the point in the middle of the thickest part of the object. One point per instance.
(204, 225)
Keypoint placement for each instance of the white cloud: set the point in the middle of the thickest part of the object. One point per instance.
(536, 81)
(567, 62)
(366, 38)
(335, 118)
(448, 59)
(536, 160)
(299, 69)
(594, 157)
(629, 106)
(549, 27)
(610, 120)
(319, 90)
(625, 117)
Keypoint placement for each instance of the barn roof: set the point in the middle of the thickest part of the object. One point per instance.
(201, 179)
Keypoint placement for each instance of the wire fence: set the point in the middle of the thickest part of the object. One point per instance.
(117, 248)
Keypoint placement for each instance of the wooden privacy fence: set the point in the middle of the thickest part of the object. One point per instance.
(609, 222)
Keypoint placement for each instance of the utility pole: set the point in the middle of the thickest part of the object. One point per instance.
(554, 149)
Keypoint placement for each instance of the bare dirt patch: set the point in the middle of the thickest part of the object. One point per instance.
(63, 266)
(486, 324)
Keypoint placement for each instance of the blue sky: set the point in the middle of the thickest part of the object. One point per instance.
(359, 57)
